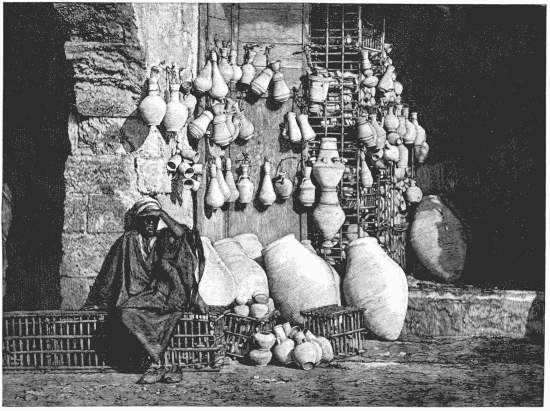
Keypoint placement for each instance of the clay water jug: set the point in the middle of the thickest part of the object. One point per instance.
(217, 285)
(203, 82)
(281, 92)
(386, 82)
(221, 180)
(267, 194)
(306, 130)
(391, 122)
(410, 134)
(318, 88)
(244, 185)
(329, 168)
(293, 130)
(230, 181)
(283, 186)
(246, 131)
(214, 196)
(328, 216)
(282, 352)
(326, 348)
(403, 161)
(219, 87)
(364, 132)
(237, 71)
(366, 175)
(249, 275)
(249, 71)
(421, 152)
(380, 132)
(375, 282)
(439, 239)
(414, 193)
(220, 133)
(307, 189)
(312, 339)
(261, 83)
(260, 357)
(226, 70)
(176, 113)
(420, 132)
(153, 108)
(197, 128)
(391, 153)
(305, 353)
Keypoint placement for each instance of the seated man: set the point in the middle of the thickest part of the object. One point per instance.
(147, 281)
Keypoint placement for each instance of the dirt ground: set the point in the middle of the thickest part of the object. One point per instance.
(436, 372)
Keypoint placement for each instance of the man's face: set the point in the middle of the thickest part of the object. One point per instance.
(147, 225)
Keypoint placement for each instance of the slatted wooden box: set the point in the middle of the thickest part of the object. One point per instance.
(239, 330)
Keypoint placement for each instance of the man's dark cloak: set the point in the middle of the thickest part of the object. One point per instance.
(148, 291)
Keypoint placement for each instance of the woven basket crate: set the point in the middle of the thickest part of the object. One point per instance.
(342, 326)
(66, 340)
(238, 331)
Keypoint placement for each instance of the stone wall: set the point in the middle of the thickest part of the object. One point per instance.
(114, 157)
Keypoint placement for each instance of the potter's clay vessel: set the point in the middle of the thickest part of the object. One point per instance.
(261, 83)
(197, 128)
(176, 113)
(365, 133)
(260, 357)
(219, 87)
(153, 108)
(306, 195)
(305, 353)
(221, 180)
(258, 311)
(226, 70)
(413, 193)
(293, 130)
(281, 92)
(237, 71)
(264, 339)
(249, 71)
(203, 82)
(267, 194)
(282, 185)
(420, 132)
(230, 181)
(386, 82)
(282, 352)
(329, 168)
(244, 185)
(328, 216)
(306, 130)
(214, 196)
(243, 310)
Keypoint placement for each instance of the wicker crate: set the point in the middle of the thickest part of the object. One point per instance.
(65, 340)
(238, 331)
(343, 326)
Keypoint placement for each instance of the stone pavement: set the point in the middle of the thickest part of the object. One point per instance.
(426, 372)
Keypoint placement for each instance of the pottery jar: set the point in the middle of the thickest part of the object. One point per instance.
(283, 186)
(237, 71)
(305, 353)
(410, 135)
(219, 87)
(397, 88)
(293, 130)
(386, 82)
(306, 195)
(306, 130)
(221, 180)
(249, 71)
(176, 113)
(414, 193)
(421, 152)
(366, 175)
(261, 83)
(245, 186)
(318, 88)
(214, 196)
(365, 133)
(311, 338)
(220, 133)
(173, 163)
(282, 352)
(153, 108)
(264, 339)
(230, 181)
(258, 311)
(329, 216)
(391, 122)
(391, 153)
(189, 101)
(197, 128)
(203, 82)
(281, 92)
(226, 70)
(287, 329)
(403, 161)
(242, 309)
(420, 132)
(329, 168)
(267, 194)
(260, 298)
(260, 357)
(380, 132)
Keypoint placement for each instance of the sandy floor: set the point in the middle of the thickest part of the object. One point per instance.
(438, 372)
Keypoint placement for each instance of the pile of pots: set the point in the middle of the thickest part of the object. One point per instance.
(259, 307)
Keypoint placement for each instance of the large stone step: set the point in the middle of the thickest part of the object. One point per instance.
(442, 310)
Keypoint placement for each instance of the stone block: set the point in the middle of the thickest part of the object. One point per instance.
(99, 174)
(74, 292)
(75, 208)
(97, 100)
(152, 177)
(106, 214)
(83, 254)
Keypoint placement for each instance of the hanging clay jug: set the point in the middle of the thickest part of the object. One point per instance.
(220, 133)
(282, 352)
(226, 70)
(391, 122)
(380, 132)
(267, 194)
(153, 108)
(370, 82)
(219, 87)
(176, 113)
(230, 181)
(260, 357)
(391, 153)
(305, 353)
(281, 92)
(246, 131)
(249, 71)
(189, 101)
(306, 130)
(364, 132)
(318, 88)
(293, 130)
(365, 62)
(203, 82)
(237, 71)
(329, 168)
(386, 83)
(307, 189)
(197, 128)
(402, 128)
(375, 282)
(403, 161)
(261, 83)
(329, 216)
(421, 152)
(414, 193)
(244, 185)
(410, 134)
(366, 175)
(420, 132)
(221, 180)
(283, 186)
(214, 196)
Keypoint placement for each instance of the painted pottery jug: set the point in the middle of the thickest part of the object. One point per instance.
(203, 82)
(260, 357)
(306, 130)
(281, 92)
(375, 282)
(249, 71)
(214, 196)
(244, 185)
(230, 181)
(267, 194)
(283, 186)
(293, 130)
(176, 113)
(153, 108)
(197, 128)
(261, 83)
(307, 189)
(220, 133)
(219, 87)
(226, 70)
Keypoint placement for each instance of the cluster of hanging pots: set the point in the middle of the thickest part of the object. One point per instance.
(290, 345)
(297, 128)
(223, 189)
